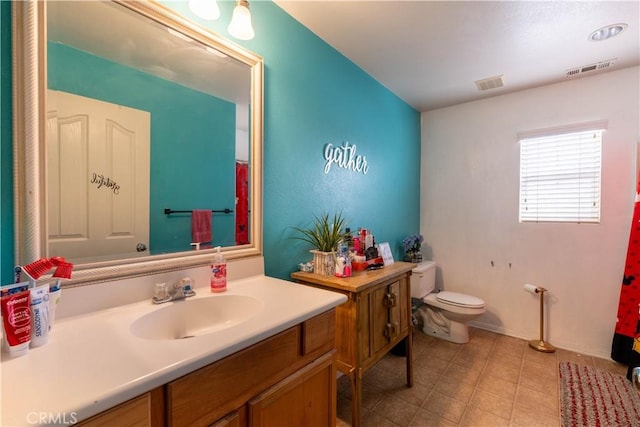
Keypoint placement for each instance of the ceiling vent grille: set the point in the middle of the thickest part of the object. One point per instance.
(490, 83)
(591, 67)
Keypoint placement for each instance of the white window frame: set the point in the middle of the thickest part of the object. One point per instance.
(561, 174)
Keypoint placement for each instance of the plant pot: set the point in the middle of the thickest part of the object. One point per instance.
(413, 256)
(323, 263)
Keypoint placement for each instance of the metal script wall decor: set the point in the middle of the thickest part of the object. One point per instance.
(344, 156)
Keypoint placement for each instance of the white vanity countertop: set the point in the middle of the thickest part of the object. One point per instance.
(93, 362)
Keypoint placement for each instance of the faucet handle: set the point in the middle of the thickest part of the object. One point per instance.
(187, 287)
(161, 293)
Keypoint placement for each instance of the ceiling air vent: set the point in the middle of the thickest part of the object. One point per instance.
(490, 83)
(591, 67)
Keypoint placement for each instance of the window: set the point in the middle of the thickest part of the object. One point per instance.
(560, 174)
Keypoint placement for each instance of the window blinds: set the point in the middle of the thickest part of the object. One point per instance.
(560, 174)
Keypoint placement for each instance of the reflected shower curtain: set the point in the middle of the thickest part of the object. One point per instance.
(242, 203)
(626, 339)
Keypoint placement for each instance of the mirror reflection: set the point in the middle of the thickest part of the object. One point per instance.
(63, 180)
(145, 126)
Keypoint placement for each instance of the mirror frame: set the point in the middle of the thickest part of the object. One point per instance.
(29, 145)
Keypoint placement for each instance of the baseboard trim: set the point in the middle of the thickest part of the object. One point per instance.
(569, 346)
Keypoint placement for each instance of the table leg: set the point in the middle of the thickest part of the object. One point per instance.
(356, 398)
(408, 342)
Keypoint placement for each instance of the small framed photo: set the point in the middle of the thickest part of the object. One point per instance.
(385, 252)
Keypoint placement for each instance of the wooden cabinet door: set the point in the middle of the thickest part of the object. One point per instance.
(305, 399)
(386, 315)
(394, 303)
(378, 314)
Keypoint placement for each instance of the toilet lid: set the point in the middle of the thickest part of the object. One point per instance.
(461, 300)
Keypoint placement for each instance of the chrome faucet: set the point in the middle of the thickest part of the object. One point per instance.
(180, 290)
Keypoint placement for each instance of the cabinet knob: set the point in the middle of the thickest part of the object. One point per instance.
(391, 330)
(390, 300)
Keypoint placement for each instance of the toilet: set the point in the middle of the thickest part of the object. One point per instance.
(445, 314)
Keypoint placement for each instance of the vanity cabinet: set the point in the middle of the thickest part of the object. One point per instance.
(293, 369)
(287, 379)
(375, 318)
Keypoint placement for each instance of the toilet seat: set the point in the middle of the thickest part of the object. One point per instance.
(459, 300)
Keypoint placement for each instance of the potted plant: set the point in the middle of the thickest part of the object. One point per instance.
(411, 245)
(324, 235)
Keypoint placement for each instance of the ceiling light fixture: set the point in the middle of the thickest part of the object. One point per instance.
(240, 26)
(607, 32)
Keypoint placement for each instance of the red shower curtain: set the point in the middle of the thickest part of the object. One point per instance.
(626, 339)
(242, 203)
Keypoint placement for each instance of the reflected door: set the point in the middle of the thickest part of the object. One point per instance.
(103, 147)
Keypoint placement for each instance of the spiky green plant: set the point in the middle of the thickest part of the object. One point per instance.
(325, 234)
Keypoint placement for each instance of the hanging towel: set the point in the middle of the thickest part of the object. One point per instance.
(200, 226)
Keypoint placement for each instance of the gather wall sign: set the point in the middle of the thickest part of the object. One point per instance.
(344, 156)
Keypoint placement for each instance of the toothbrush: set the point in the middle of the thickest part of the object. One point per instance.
(16, 271)
(37, 269)
(57, 260)
(63, 271)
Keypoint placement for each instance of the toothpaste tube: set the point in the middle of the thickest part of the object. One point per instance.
(39, 315)
(16, 319)
(54, 300)
(13, 288)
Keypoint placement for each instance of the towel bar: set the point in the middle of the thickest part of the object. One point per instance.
(168, 211)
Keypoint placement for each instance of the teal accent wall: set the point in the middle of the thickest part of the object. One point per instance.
(314, 96)
(192, 142)
(6, 156)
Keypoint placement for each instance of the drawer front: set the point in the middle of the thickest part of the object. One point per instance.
(207, 394)
(318, 333)
(137, 412)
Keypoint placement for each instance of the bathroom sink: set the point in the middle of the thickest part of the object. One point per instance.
(196, 317)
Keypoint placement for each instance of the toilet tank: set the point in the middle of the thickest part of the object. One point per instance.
(423, 279)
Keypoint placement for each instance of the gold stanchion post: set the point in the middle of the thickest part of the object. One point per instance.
(541, 344)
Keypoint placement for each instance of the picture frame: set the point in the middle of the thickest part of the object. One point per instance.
(384, 251)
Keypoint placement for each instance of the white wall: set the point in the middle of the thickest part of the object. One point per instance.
(469, 210)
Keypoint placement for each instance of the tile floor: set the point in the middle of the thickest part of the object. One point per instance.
(493, 380)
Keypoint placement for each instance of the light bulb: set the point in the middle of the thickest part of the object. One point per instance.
(240, 26)
(206, 9)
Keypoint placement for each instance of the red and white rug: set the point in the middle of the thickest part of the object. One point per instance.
(594, 398)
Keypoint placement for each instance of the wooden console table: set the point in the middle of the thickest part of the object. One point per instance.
(375, 318)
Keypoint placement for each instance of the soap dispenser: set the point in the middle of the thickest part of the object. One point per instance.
(218, 272)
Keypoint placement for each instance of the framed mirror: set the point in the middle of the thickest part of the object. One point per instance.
(135, 132)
